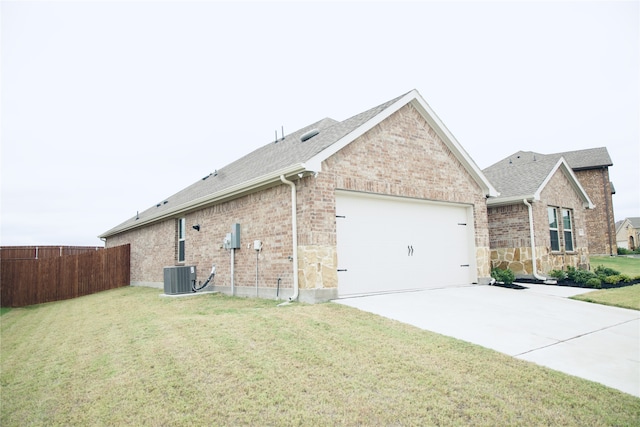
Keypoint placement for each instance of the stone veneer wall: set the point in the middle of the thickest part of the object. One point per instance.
(510, 232)
(632, 238)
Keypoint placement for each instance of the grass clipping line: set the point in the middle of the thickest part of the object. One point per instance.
(128, 357)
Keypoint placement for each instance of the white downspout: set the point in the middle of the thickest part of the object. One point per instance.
(533, 243)
(294, 231)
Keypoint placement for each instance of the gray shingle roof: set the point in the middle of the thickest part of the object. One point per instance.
(290, 156)
(635, 221)
(586, 159)
(268, 159)
(522, 173)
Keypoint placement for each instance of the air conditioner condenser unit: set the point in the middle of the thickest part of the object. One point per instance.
(179, 279)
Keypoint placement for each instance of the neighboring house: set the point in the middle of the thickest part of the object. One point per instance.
(385, 200)
(538, 222)
(591, 166)
(628, 233)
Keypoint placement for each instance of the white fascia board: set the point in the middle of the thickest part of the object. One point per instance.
(573, 179)
(456, 148)
(513, 200)
(226, 194)
(315, 162)
(413, 97)
(624, 224)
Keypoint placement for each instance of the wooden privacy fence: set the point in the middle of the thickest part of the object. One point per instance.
(35, 281)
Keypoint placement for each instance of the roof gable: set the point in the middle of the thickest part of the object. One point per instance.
(416, 100)
(623, 224)
(525, 174)
(302, 151)
(635, 221)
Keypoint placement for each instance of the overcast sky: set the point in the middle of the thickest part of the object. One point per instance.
(109, 108)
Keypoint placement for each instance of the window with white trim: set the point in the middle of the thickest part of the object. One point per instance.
(567, 229)
(553, 228)
(182, 222)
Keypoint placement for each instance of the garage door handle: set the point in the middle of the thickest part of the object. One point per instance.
(464, 265)
(344, 269)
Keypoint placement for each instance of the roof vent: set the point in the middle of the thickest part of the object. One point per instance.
(308, 135)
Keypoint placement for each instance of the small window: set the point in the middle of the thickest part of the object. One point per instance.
(567, 229)
(181, 234)
(553, 228)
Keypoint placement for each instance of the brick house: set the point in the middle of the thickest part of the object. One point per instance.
(385, 200)
(591, 166)
(538, 222)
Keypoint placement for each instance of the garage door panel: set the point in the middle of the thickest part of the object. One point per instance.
(389, 244)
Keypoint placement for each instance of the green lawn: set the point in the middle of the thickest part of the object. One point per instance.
(626, 297)
(129, 357)
(625, 265)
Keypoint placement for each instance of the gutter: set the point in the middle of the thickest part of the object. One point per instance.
(294, 236)
(222, 195)
(533, 243)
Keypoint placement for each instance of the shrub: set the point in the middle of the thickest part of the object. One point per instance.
(624, 251)
(601, 270)
(505, 276)
(613, 279)
(582, 276)
(571, 273)
(594, 282)
(558, 274)
(625, 278)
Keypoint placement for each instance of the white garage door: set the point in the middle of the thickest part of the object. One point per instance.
(388, 244)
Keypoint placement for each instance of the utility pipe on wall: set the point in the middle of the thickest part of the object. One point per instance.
(533, 243)
(294, 231)
(233, 261)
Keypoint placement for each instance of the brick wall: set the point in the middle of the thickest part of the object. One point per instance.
(510, 232)
(152, 248)
(600, 221)
(559, 193)
(401, 156)
(265, 216)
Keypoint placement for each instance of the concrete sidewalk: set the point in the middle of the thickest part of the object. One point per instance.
(539, 324)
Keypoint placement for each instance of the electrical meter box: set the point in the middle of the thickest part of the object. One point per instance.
(232, 240)
(235, 236)
(178, 279)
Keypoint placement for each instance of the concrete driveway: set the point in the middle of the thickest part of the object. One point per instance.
(539, 324)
